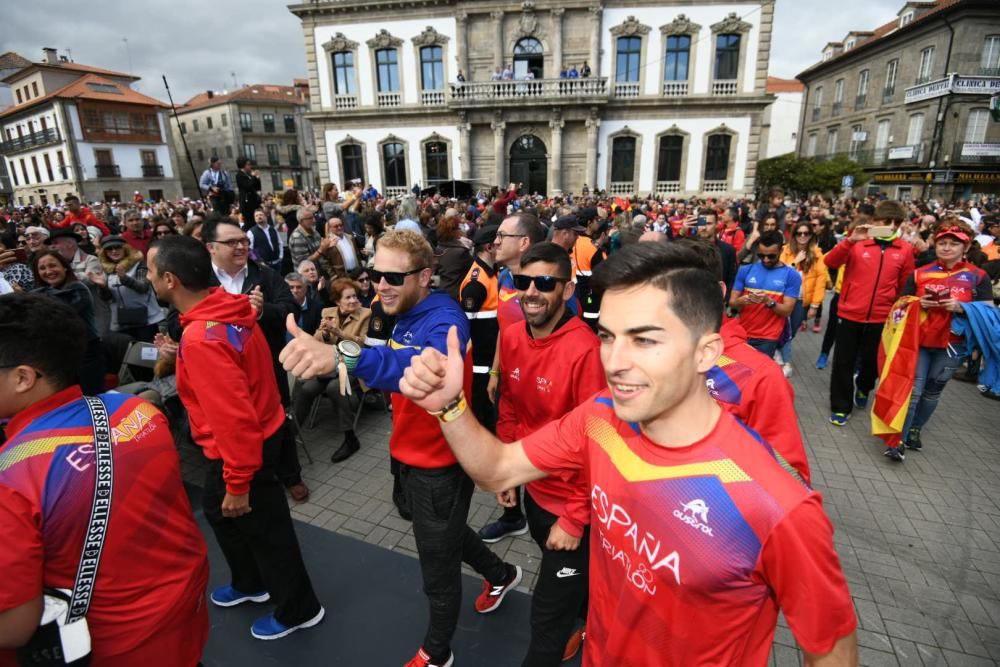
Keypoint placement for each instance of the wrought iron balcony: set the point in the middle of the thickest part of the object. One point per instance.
(152, 171)
(836, 109)
(860, 101)
(815, 113)
(888, 94)
(107, 170)
(33, 140)
(975, 153)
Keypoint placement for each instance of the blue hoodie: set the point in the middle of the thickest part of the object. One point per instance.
(981, 328)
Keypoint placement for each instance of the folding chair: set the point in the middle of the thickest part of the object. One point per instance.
(300, 439)
(379, 395)
(138, 355)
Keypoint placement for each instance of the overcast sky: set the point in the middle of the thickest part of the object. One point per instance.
(199, 44)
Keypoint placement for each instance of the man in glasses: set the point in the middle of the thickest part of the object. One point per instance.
(551, 364)
(765, 293)
(438, 490)
(236, 273)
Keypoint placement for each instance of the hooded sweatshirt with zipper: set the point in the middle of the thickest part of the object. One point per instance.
(225, 379)
(876, 270)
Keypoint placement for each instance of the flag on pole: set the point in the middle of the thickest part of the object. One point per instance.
(898, 353)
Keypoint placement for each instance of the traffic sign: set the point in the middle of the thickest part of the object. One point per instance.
(847, 182)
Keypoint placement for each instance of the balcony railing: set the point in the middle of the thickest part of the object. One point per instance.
(393, 99)
(627, 89)
(668, 187)
(976, 153)
(294, 161)
(65, 172)
(815, 114)
(33, 140)
(714, 186)
(396, 191)
(152, 171)
(907, 154)
(107, 170)
(290, 127)
(887, 95)
(725, 87)
(989, 71)
(542, 90)
(923, 79)
(345, 102)
(621, 188)
(836, 109)
(246, 127)
(273, 160)
(860, 101)
(675, 88)
(432, 98)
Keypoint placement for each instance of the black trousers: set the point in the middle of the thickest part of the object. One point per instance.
(288, 468)
(830, 335)
(439, 500)
(855, 342)
(560, 596)
(481, 405)
(261, 548)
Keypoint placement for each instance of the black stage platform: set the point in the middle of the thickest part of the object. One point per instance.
(375, 613)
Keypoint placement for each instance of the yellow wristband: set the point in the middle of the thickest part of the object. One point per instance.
(453, 410)
(495, 372)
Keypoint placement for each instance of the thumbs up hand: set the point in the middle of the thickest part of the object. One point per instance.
(304, 356)
(433, 380)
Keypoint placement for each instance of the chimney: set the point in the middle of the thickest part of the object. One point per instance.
(50, 56)
(210, 94)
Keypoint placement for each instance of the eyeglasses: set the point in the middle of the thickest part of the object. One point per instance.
(803, 233)
(542, 283)
(768, 255)
(235, 243)
(393, 278)
(364, 279)
(161, 232)
(504, 235)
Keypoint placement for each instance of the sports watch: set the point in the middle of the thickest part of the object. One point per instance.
(350, 352)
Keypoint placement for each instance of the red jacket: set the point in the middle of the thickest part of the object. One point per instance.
(140, 242)
(225, 378)
(875, 273)
(86, 216)
(543, 380)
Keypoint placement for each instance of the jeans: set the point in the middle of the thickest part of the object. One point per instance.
(855, 340)
(559, 600)
(795, 320)
(764, 346)
(935, 366)
(260, 547)
(439, 500)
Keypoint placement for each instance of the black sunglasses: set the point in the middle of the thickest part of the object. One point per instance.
(542, 283)
(768, 255)
(394, 278)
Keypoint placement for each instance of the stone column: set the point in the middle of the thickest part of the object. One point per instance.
(555, 154)
(557, 42)
(465, 146)
(462, 44)
(593, 124)
(595, 41)
(499, 172)
(497, 38)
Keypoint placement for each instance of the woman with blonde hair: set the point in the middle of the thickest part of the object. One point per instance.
(803, 254)
(134, 309)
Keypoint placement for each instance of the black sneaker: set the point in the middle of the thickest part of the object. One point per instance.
(913, 440)
(895, 453)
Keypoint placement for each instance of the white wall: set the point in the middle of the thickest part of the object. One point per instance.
(786, 113)
(703, 47)
(414, 159)
(46, 111)
(409, 70)
(126, 156)
(696, 128)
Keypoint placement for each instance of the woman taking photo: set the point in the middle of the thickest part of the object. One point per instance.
(943, 286)
(134, 310)
(56, 279)
(345, 321)
(802, 254)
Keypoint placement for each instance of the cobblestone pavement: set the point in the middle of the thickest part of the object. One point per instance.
(919, 541)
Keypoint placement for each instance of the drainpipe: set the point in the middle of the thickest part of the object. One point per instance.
(935, 151)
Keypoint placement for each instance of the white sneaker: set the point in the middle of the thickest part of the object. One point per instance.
(786, 369)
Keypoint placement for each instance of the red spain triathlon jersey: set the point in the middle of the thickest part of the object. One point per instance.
(695, 549)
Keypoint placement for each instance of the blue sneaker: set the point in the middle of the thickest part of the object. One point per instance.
(822, 361)
(860, 399)
(268, 627)
(499, 529)
(838, 419)
(227, 596)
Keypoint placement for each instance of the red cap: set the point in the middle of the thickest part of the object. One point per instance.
(956, 232)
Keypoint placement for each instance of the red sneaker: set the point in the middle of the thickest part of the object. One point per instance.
(421, 659)
(492, 596)
(816, 327)
(574, 643)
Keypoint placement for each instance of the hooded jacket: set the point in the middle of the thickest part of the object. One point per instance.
(225, 379)
(875, 272)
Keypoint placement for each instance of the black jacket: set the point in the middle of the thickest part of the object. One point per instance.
(309, 318)
(728, 258)
(278, 302)
(249, 187)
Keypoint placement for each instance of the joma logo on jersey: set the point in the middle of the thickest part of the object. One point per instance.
(695, 514)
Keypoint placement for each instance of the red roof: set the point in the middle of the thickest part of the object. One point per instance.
(261, 92)
(73, 67)
(91, 87)
(776, 85)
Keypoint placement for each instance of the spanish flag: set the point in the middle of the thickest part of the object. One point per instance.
(898, 354)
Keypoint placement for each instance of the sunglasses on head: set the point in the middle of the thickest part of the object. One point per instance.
(393, 278)
(768, 255)
(542, 283)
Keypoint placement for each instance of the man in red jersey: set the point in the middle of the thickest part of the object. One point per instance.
(551, 364)
(699, 536)
(77, 213)
(225, 379)
(148, 606)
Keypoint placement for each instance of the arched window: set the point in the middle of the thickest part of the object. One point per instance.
(528, 57)
(343, 73)
(394, 165)
(353, 164)
(387, 62)
(668, 167)
(623, 160)
(432, 68)
(436, 161)
(627, 60)
(717, 157)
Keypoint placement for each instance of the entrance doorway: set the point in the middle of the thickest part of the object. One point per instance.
(528, 163)
(528, 57)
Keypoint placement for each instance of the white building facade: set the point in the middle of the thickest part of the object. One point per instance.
(673, 103)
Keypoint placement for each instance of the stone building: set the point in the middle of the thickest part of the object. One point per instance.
(264, 122)
(910, 100)
(672, 104)
(75, 129)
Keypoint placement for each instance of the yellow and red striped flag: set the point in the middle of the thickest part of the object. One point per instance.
(898, 354)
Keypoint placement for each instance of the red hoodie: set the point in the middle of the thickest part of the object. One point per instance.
(225, 378)
(86, 216)
(875, 273)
